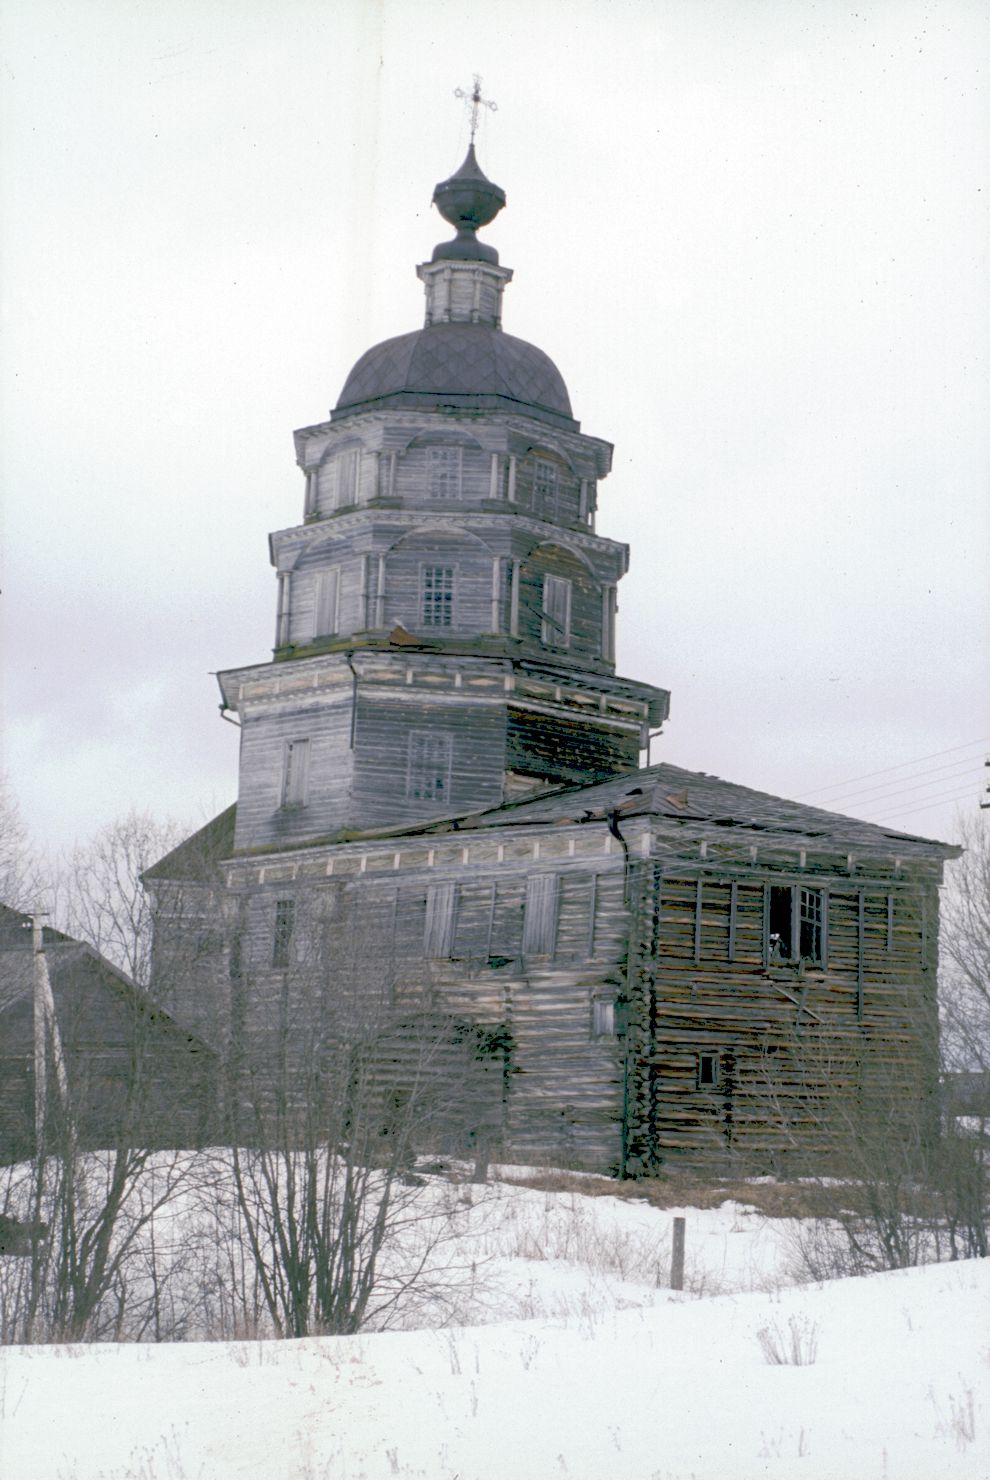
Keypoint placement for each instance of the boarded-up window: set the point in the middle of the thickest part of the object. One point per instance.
(556, 611)
(428, 766)
(327, 603)
(540, 923)
(438, 936)
(602, 1018)
(285, 919)
(443, 472)
(437, 595)
(295, 774)
(347, 477)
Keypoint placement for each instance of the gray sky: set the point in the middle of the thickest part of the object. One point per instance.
(752, 235)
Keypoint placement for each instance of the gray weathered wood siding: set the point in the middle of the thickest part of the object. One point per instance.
(476, 734)
(262, 820)
(471, 563)
(797, 1045)
(586, 601)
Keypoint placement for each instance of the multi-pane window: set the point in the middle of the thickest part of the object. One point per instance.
(556, 630)
(437, 595)
(438, 935)
(285, 919)
(295, 774)
(327, 599)
(796, 927)
(811, 924)
(443, 472)
(428, 766)
(545, 484)
(540, 919)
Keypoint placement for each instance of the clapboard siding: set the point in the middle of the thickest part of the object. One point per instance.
(476, 734)
(262, 820)
(471, 564)
(585, 638)
(796, 1043)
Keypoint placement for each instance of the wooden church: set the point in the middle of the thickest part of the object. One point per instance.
(441, 815)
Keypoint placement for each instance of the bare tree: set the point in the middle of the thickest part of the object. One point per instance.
(965, 951)
(22, 881)
(100, 894)
(338, 1091)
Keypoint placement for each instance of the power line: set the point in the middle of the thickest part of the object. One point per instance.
(939, 801)
(883, 792)
(886, 770)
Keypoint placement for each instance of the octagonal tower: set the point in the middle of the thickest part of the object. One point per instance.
(446, 612)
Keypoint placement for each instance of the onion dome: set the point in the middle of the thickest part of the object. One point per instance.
(468, 200)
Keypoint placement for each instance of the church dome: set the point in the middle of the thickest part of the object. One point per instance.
(457, 366)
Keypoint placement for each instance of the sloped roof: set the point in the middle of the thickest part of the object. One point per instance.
(671, 792)
(195, 856)
(68, 960)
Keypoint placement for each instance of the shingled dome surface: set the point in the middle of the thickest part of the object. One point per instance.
(463, 365)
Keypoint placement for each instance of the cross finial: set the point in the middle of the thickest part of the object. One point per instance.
(473, 101)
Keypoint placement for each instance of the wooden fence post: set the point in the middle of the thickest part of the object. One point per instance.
(677, 1256)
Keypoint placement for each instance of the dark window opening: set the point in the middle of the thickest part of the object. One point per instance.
(285, 911)
(707, 1070)
(235, 962)
(781, 906)
(797, 924)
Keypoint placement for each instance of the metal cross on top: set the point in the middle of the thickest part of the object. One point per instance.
(474, 101)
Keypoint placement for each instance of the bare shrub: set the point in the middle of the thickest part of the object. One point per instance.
(795, 1345)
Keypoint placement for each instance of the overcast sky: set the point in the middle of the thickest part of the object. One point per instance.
(751, 233)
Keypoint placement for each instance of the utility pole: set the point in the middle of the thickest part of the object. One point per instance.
(45, 1032)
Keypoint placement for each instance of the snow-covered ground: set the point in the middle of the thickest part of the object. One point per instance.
(571, 1360)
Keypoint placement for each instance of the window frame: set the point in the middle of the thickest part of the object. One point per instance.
(436, 455)
(326, 603)
(446, 594)
(801, 913)
(541, 914)
(437, 764)
(295, 774)
(283, 929)
(347, 479)
(604, 1017)
(554, 630)
(713, 1060)
(440, 923)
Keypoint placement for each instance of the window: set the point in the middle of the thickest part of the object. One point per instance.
(797, 921)
(545, 484)
(327, 603)
(438, 937)
(443, 472)
(347, 477)
(708, 1067)
(235, 963)
(556, 611)
(295, 774)
(285, 912)
(602, 1018)
(437, 595)
(428, 766)
(540, 920)
(811, 924)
